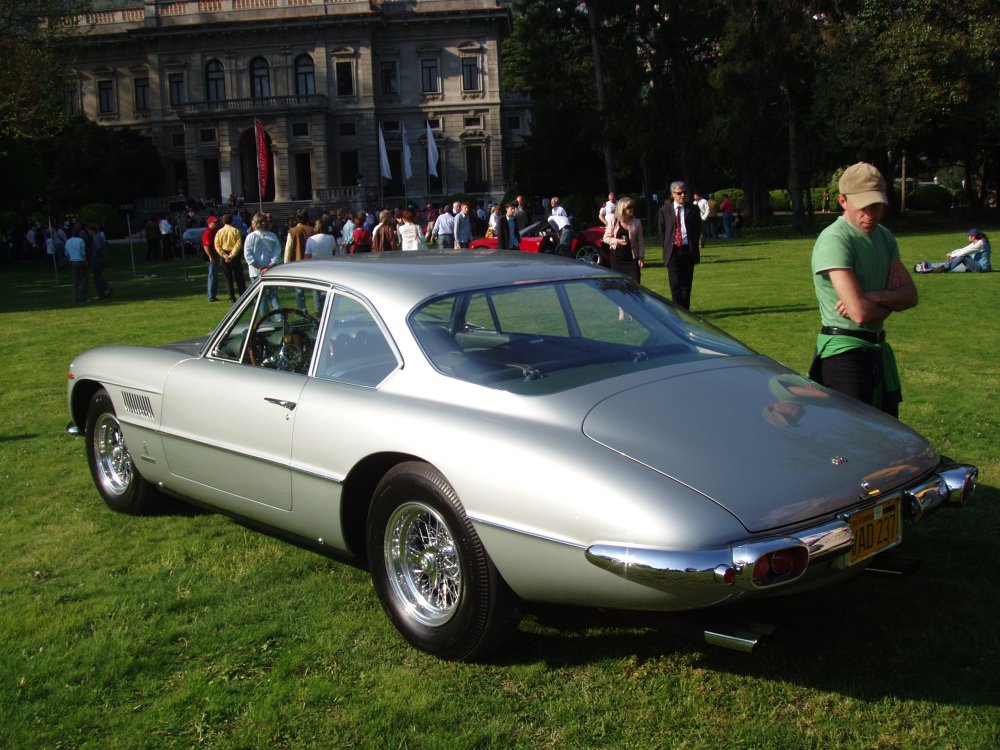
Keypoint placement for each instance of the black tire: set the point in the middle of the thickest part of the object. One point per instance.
(115, 475)
(589, 254)
(430, 570)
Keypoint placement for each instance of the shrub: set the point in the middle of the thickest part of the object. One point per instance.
(930, 198)
(104, 216)
(736, 194)
(581, 206)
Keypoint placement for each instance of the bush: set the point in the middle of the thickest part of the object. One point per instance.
(930, 198)
(780, 200)
(582, 207)
(104, 216)
(736, 194)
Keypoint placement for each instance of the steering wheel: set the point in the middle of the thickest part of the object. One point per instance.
(291, 354)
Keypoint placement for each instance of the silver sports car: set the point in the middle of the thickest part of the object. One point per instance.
(483, 429)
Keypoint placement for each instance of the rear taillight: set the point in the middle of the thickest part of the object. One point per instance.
(780, 566)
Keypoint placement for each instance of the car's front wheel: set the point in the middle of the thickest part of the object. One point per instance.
(589, 254)
(111, 465)
(430, 570)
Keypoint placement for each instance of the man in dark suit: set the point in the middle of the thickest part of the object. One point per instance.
(679, 226)
(508, 234)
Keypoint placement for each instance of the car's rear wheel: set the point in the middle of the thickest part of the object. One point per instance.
(589, 254)
(120, 484)
(430, 570)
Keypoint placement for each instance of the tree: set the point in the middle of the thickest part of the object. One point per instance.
(83, 163)
(915, 76)
(36, 45)
(549, 56)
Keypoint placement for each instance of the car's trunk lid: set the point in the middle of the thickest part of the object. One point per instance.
(768, 445)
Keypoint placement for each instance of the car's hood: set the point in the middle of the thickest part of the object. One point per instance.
(190, 347)
(768, 445)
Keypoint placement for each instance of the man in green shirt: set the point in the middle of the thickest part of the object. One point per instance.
(860, 281)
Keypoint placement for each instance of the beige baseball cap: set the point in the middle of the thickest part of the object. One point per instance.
(862, 185)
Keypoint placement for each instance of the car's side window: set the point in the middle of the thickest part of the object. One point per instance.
(355, 349)
(230, 346)
(276, 331)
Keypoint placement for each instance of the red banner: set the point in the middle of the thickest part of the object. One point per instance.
(261, 158)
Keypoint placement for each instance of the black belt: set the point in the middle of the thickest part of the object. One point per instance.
(872, 337)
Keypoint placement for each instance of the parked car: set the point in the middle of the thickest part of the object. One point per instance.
(484, 429)
(540, 237)
(192, 242)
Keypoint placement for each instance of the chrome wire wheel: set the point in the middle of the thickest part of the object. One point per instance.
(111, 457)
(423, 563)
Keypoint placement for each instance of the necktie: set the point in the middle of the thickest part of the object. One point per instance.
(677, 228)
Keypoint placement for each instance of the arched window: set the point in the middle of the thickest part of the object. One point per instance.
(260, 78)
(305, 75)
(215, 82)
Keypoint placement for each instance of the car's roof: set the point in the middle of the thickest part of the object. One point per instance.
(409, 277)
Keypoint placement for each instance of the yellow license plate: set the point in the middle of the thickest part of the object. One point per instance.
(875, 529)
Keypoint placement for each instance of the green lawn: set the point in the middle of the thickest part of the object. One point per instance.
(187, 630)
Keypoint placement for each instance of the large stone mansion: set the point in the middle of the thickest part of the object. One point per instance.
(323, 77)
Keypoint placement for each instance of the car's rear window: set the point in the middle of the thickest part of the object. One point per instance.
(536, 338)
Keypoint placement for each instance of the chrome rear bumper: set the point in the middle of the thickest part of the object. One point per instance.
(676, 570)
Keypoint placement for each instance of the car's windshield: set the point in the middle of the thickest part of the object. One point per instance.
(536, 338)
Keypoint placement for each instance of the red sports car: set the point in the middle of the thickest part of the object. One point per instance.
(540, 237)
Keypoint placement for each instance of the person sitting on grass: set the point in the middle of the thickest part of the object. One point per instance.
(973, 257)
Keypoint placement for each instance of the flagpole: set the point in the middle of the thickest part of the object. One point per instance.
(404, 156)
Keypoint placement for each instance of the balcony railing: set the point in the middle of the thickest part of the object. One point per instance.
(258, 105)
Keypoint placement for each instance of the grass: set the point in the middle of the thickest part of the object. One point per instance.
(187, 630)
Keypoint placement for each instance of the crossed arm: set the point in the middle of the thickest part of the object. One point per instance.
(865, 308)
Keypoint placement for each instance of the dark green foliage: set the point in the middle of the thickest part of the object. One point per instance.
(733, 193)
(930, 198)
(104, 216)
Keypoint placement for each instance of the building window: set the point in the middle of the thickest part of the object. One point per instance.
(391, 125)
(300, 129)
(434, 123)
(430, 76)
(207, 135)
(105, 97)
(473, 122)
(347, 129)
(72, 98)
(513, 122)
(141, 88)
(470, 74)
(260, 78)
(305, 76)
(435, 183)
(177, 140)
(475, 173)
(350, 168)
(175, 84)
(390, 78)
(215, 82)
(344, 71)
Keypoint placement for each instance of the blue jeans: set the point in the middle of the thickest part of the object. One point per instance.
(213, 278)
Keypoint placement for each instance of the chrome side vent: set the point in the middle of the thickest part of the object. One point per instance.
(137, 404)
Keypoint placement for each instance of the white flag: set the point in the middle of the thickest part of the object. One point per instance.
(407, 170)
(383, 157)
(432, 152)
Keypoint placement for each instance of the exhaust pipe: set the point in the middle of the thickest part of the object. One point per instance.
(745, 637)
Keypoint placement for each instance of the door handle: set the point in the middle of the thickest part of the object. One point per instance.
(290, 405)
